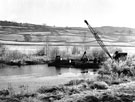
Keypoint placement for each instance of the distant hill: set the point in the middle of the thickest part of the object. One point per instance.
(21, 27)
(14, 31)
(43, 28)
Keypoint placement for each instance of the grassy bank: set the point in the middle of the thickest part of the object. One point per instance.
(80, 90)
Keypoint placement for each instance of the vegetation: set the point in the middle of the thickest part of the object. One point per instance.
(18, 58)
(97, 53)
(54, 52)
(2, 49)
(27, 37)
(75, 50)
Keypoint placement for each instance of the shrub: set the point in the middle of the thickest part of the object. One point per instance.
(13, 55)
(105, 78)
(89, 99)
(99, 85)
(40, 52)
(109, 98)
(48, 89)
(106, 68)
(74, 82)
(116, 73)
(123, 67)
(99, 54)
(4, 92)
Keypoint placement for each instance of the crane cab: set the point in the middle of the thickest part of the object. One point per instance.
(120, 56)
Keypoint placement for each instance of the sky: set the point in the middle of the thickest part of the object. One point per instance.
(71, 13)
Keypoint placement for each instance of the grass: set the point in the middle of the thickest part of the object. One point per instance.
(81, 90)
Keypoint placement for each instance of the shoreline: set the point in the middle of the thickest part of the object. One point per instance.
(35, 82)
(66, 87)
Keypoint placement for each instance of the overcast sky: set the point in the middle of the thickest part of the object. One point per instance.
(70, 12)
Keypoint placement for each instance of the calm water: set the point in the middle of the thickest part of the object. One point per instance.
(35, 70)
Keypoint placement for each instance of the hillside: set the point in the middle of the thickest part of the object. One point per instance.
(25, 32)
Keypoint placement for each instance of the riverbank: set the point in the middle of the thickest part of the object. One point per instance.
(68, 87)
(34, 82)
(26, 60)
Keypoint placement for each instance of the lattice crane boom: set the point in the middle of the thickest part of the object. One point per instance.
(100, 42)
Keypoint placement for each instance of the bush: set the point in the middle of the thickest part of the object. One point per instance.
(116, 73)
(123, 67)
(12, 55)
(98, 53)
(50, 89)
(74, 82)
(40, 52)
(106, 68)
(4, 92)
(89, 99)
(99, 85)
(109, 98)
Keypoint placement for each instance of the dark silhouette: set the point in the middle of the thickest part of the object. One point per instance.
(84, 57)
(119, 56)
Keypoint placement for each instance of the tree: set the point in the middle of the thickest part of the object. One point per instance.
(75, 50)
(27, 37)
(2, 50)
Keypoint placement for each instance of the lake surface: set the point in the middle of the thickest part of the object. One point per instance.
(35, 70)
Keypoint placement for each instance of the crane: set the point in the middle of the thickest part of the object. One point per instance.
(100, 42)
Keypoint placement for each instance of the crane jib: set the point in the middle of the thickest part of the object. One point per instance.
(100, 42)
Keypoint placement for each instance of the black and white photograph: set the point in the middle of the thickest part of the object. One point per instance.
(67, 50)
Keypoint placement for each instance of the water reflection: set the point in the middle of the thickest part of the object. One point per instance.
(58, 70)
(35, 70)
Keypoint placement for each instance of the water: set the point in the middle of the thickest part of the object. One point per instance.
(35, 70)
(35, 76)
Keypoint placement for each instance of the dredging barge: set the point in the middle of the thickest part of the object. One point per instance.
(84, 62)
